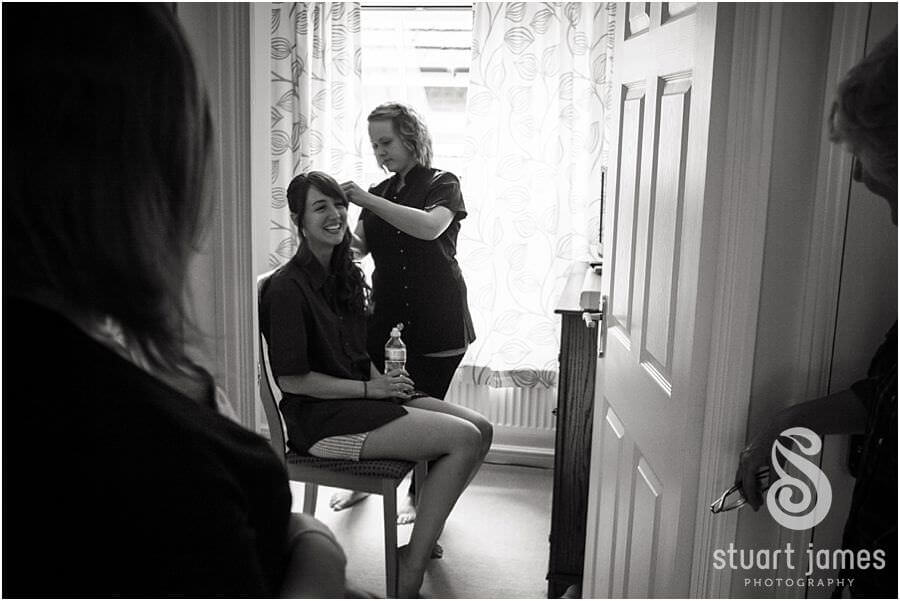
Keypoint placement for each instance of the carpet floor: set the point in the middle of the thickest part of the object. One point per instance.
(495, 540)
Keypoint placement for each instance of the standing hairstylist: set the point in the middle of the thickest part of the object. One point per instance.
(409, 223)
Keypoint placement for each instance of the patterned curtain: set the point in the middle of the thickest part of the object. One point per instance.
(536, 142)
(317, 118)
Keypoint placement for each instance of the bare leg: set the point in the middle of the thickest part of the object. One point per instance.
(406, 513)
(456, 446)
(485, 429)
(479, 421)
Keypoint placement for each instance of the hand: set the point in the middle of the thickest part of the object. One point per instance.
(755, 474)
(754, 457)
(395, 384)
(355, 194)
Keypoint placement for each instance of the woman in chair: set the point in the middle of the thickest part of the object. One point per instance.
(336, 404)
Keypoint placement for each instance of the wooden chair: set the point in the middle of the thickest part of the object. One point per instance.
(379, 477)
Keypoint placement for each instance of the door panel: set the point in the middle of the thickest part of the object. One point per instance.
(632, 135)
(665, 224)
(644, 530)
(648, 405)
(612, 455)
(672, 10)
(638, 18)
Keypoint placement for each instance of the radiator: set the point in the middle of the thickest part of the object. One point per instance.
(523, 420)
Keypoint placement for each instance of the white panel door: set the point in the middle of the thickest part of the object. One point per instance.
(651, 381)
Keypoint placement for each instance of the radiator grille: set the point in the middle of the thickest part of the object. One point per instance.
(527, 408)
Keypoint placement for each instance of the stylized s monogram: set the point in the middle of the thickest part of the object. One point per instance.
(811, 508)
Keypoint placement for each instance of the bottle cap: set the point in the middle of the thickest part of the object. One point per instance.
(395, 333)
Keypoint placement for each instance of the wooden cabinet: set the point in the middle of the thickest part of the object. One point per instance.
(574, 419)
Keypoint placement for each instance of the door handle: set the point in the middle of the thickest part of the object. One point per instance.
(590, 318)
(601, 344)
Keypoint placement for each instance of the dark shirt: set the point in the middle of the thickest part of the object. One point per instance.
(306, 330)
(872, 523)
(116, 484)
(418, 282)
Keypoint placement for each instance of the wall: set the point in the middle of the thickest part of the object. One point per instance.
(222, 284)
(779, 373)
(202, 281)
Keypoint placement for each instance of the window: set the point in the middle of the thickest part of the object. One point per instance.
(419, 56)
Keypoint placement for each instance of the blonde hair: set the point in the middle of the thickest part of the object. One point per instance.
(410, 128)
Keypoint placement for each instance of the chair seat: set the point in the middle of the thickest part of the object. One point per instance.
(377, 468)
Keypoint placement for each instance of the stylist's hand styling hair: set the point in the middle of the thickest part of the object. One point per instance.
(410, 223)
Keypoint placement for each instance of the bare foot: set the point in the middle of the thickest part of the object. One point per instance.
(346, 498)
(406, 513)
(410, 577)
(357, 593)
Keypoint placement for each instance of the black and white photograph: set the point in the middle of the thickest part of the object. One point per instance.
(452, 300)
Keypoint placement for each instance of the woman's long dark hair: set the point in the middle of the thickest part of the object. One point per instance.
(105, 146)
(352, 290)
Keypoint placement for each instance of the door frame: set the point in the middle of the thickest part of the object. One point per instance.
(758, 31)
(744, 182)
(745, 199)
(222, 288)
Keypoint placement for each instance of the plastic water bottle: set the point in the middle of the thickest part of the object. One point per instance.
(395, 351)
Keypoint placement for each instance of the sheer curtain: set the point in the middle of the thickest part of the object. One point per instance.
(536, 146)
(317, 121)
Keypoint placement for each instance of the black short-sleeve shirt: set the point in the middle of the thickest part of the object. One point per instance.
(306, 330)
(419, 282)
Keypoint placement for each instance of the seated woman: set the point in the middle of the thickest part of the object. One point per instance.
(336, 404)
(121, 478)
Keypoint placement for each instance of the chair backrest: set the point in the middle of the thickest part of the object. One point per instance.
(267, 387)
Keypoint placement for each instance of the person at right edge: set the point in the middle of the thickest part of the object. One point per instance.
(864, 118)
(409, 223)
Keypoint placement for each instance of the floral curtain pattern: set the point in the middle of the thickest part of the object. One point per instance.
(317, 121)
(536, 146)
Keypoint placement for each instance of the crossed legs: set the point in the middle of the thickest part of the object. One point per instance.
(457, 439)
